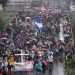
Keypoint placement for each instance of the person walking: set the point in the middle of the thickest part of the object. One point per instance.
(9, 68)
(38, 67)
(3, 70)
(44, 66)
(0, 72)
(50, 62)
(3, 67)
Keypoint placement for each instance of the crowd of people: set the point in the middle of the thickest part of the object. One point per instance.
(22, 33)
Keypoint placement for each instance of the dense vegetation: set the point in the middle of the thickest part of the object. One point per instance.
(3, 3)
(70, 66)
(36, 3)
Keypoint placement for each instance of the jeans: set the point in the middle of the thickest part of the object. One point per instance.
(50, 67)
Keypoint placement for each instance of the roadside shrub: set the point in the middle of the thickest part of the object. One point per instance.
(70, 63)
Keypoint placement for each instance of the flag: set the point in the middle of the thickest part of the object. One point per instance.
(38, 23)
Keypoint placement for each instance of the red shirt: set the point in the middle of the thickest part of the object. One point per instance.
(0, 73)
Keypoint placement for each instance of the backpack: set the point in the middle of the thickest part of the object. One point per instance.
(0, 73)
(39, 67)
(45, 63)
(57, 50)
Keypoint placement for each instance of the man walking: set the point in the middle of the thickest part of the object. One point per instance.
(50, 62)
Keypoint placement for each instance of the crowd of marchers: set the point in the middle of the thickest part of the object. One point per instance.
(23, 34)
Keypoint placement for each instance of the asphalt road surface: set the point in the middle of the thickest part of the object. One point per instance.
(58, 69)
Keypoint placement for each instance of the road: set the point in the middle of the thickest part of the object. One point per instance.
(57, 70)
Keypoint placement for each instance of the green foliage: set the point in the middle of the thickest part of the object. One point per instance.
(73, 17)
(73, 23)
(3, 2)
(73, 73)
(8, 16)
(58, 2)
(36, 3)
(70, 63)
(2, 24)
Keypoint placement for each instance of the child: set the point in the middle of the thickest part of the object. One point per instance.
(9, 68)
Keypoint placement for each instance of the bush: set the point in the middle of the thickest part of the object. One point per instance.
(73, 73)
(70, 63)
(70, 66)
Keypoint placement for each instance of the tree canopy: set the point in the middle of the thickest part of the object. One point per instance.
(3, 3)
(2, 24)
(36, 3)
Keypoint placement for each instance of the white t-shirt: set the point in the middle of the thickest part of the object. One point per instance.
(50, 58)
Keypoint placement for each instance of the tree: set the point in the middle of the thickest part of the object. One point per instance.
(36, 3)
(73, 25)
(3, 3)
(2, 25)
